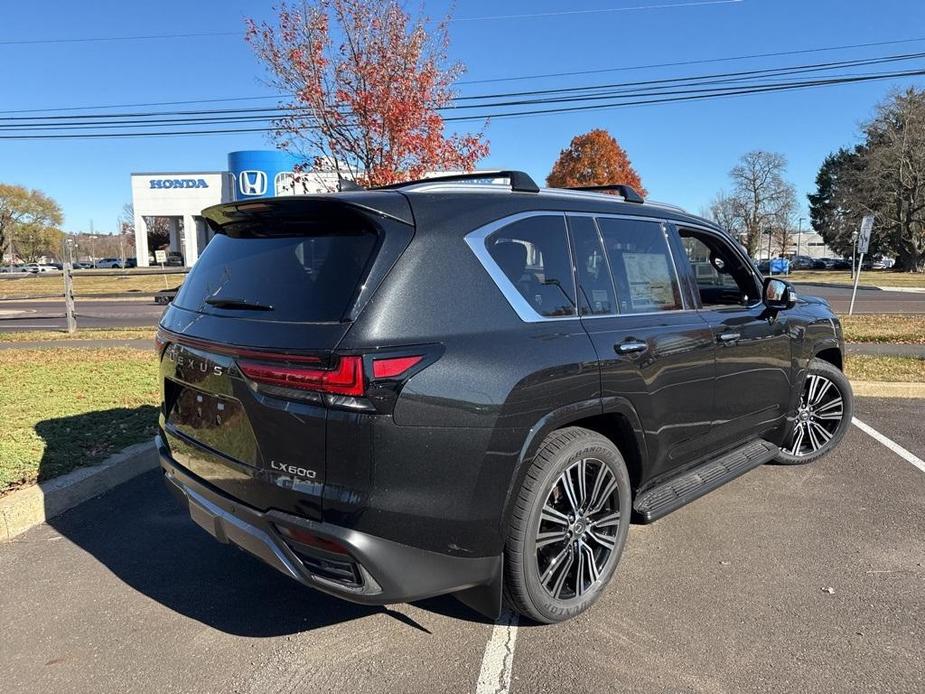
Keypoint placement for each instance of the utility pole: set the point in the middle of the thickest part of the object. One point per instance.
(799, 233)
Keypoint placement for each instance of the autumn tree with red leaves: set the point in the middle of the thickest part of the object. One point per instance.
(594, 159)
(367, 82)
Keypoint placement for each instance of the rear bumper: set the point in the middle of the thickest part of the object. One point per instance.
(388, 571)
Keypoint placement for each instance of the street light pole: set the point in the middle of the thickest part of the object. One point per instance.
(799, 234)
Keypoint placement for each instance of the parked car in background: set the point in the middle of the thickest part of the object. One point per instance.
(109, 263)
(165, 296)
(824, 264)
(131, 262)
(36, 268)
(842, 264)
(447, 387)
(174, 259)
(83, 266)
(801, 262)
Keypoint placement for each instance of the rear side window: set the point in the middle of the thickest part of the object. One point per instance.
(643, 270)
(306, 278)
(533, 253)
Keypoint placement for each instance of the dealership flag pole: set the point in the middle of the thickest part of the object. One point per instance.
(863, 242)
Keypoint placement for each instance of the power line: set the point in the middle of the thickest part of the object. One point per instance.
(99, 39)
(683, 63)
(563, 13)
(587, 92)
(711, 94)
(214, 34)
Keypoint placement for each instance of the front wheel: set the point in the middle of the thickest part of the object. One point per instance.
(823, 416)
(568, 526)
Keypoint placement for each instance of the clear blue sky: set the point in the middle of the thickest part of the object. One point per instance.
(682, 151)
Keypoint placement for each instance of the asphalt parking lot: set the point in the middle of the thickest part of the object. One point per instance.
(788, 579)
(100, 313)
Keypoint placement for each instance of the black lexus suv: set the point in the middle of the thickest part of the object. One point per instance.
(469, 385)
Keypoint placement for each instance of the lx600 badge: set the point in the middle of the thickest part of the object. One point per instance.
(294, 470)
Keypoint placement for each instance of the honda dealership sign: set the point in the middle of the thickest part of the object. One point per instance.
(256, 172)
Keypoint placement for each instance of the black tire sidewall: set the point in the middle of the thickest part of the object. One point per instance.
(590, 446)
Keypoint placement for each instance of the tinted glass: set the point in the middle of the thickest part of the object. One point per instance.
(595, 286)
(534, 255)
(721, 276)
(643, 270)
(303, 278)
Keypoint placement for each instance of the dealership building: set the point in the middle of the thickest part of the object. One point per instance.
(180, 197)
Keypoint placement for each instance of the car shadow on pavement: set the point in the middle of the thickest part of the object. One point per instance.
(140, 533)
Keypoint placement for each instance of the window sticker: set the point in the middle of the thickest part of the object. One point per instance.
(649, 279)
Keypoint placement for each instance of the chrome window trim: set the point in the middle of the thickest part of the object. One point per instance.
(476, 240)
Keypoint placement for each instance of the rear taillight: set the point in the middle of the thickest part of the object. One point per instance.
(160, 342)
(392, 367)
(344, 379)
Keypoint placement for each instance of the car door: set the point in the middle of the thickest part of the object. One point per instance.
(655, 350)
(753, 344)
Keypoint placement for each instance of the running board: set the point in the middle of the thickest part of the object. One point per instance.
(693, 484)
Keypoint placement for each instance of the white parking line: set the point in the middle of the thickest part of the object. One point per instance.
(498, 661)
(892, 445)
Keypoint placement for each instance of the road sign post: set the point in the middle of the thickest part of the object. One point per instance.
(863, 243)
(161, 257)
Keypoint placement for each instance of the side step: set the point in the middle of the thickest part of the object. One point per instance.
(693, 484)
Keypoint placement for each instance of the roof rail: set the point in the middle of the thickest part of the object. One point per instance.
(520, 181)
(628, 192)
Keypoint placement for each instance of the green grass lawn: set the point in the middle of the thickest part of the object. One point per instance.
(80, 334)
(877, 278)
(903, 328)
(117, 282)
(71, 408)
(863, 367)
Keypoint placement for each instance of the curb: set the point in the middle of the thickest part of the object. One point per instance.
(836, 285)
(887, 389)
(907, 290)
(26, 508)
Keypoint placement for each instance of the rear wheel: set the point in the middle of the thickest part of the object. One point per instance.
(823, 416)
(568, 526)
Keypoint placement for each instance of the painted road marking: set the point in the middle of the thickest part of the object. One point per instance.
(498, 661)
(892, 445)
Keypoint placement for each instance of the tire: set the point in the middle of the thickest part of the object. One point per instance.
(829, 414)
(586, 548)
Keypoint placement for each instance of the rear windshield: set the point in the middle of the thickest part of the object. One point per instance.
(307, 278)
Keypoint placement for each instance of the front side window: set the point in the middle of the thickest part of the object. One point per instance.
(721, 275)
(533, 254)
(643, 270)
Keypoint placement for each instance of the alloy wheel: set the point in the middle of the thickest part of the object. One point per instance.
(818, 417)
(576, 534)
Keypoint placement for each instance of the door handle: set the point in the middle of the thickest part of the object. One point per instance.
(630, 347)
(728, 337)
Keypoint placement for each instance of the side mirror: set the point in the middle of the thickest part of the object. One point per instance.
(779, 294)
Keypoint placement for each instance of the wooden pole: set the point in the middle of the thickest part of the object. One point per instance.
(69, 312)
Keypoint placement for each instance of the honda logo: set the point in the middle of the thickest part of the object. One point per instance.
(252, 182)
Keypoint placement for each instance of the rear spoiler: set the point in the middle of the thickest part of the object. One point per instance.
(265, 215)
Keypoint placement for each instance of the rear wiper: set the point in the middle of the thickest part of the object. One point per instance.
(230, 303)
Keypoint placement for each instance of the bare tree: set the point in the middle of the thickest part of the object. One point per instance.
(762, 201)
(724, 211)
